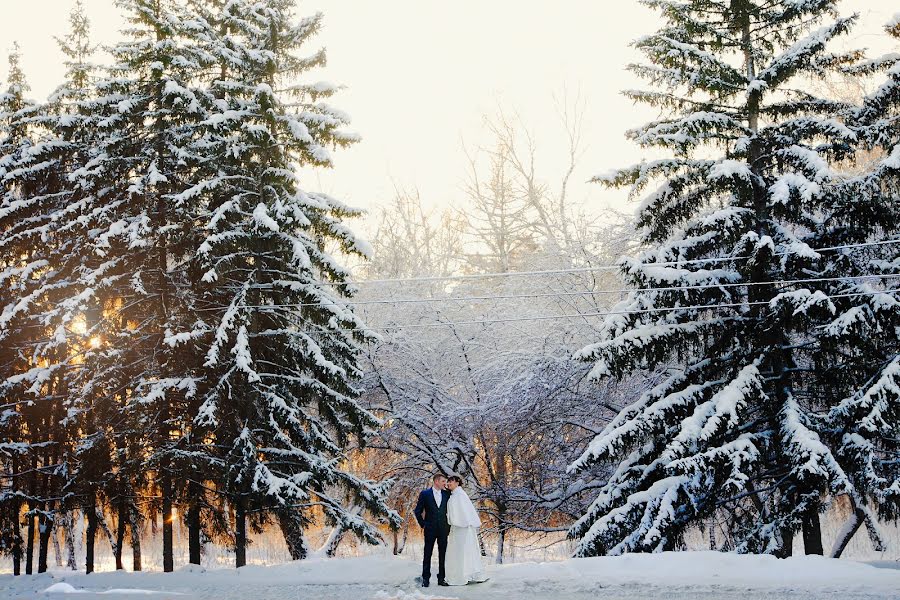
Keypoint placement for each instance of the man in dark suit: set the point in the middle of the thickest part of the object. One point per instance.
(431, 513)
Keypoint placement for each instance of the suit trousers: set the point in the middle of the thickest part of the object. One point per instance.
(433, 535)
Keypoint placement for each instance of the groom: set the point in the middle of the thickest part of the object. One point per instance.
(431, 513)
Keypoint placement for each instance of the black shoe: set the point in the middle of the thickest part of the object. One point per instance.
(424, 583)
(443, 583)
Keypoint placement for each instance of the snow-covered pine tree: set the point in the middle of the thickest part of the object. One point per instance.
(861, 358)
(26, 208)
(49, 221)
(69, 117)
(15, 490)
(37, 210)
(278, 340)
(130, 385)
(738, 213)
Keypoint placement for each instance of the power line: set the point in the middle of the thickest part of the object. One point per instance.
(597, 292)
(596, 314)
(585, 269)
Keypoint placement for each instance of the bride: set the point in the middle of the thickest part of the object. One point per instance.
(463, 550)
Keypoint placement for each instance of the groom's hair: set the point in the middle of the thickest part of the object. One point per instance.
(439, 476)
(455, 478)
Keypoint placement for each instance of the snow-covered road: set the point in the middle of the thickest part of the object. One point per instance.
(671, 576)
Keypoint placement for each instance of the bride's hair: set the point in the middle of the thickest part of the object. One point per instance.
(455, 478)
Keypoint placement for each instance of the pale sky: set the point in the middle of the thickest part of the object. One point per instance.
(420, 74)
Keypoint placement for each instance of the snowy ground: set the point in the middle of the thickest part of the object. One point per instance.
(671, 576)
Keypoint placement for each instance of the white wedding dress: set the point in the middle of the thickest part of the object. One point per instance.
(463, 562)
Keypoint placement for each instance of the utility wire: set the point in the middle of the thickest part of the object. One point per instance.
(596, 314)
(674, 263)
(597, 292)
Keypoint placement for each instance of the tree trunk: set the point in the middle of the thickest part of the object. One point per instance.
(17, 543)
(46, 528)
(193, 524)
(90, 535)
(400, 542)
(101, 522)
(134, 525)
(162, 260)
(240, 535)
(291, 525)
(501, 528)
(120, 535)
(334, 541)
(812, 534)
(875, 536)
(45, 520)
(857, 518)
(68, 530)
(787, 544)
(29, 542)
(329, 548)
(405, 537)
(16, 550)
(167, 518)
(17, 559)
(57, 551)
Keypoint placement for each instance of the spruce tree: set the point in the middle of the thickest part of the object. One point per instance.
(278, 342)
(70, 117)
(739, 215)
(35, 220)
(862, 356)
(15, 450)
(129, 386)
(47, 221)
(30, 195)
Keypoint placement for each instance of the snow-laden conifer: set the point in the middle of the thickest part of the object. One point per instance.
(278, 342)
(860, 359)
(131, 233)
(39, 205)
(746, 189)
(16, 451)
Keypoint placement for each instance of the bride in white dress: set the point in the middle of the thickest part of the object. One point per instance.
(463, 551)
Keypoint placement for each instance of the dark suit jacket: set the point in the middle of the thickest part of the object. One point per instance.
(431, 517)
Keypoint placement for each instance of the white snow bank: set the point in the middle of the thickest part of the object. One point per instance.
(733, 570)
(729, 576)
(67, 588)
(62, 588)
